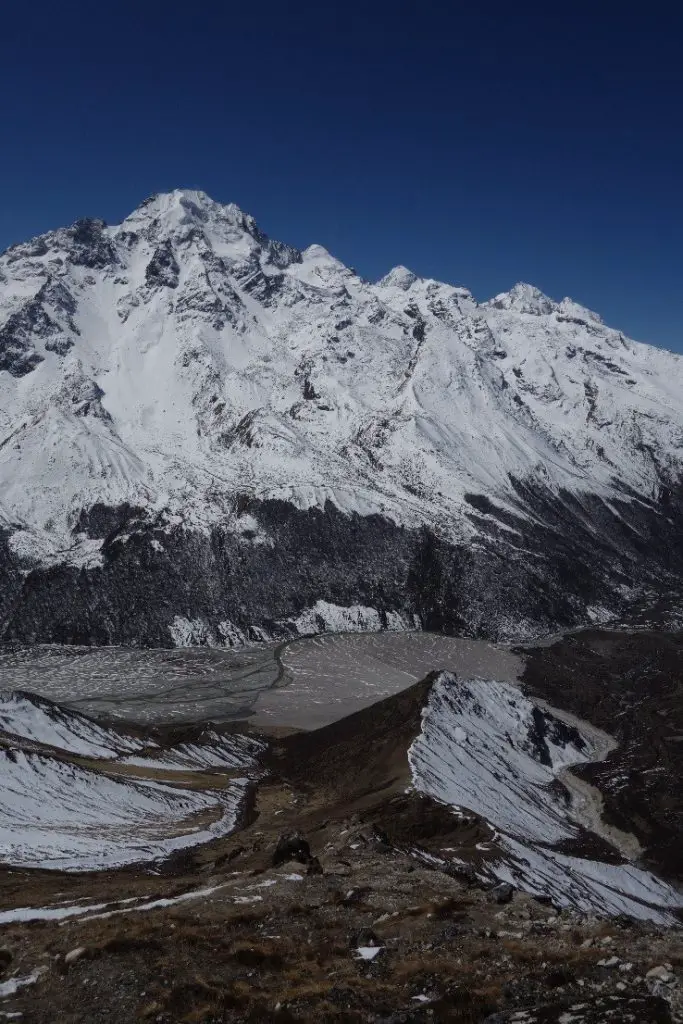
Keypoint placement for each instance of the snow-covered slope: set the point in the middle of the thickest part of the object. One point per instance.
(487, 748)
(212, 750)
(181, 371)
(484, 746)
(29, 720)
(26, 716)
(57, 815)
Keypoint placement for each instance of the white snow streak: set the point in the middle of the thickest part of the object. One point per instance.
(232, 751)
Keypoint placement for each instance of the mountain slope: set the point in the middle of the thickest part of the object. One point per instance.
(203, 432)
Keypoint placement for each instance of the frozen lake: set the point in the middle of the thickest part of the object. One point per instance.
(304, 683)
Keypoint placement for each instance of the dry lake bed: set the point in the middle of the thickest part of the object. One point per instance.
(305, 683)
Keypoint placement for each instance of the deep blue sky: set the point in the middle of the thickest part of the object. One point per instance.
(481, 144)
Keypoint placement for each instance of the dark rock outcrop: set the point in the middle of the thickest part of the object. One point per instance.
(526, 576)
(292, 847)
(163, 270)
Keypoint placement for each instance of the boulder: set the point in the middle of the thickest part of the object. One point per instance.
(291, 846)
(502, 893)
(75, 954)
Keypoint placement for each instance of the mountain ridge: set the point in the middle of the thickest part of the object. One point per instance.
(196, 378)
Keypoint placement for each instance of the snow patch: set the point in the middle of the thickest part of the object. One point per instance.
(191, 632)
(53, 913)
(322, 617)
(157, 904)
(12, 986)
(325, 617)
(368, 952)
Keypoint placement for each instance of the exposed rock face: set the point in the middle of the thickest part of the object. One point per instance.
(263, 579)
(222, 428)
(162, 269)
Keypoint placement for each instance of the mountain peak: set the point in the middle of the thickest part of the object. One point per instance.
(398, 277)
(575, 310)
(186, 198)
(182, 197)
(319, 253)
(524, 298)
(168, 366)
(185, 207)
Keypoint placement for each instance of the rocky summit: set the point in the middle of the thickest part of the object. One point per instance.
(207, 436)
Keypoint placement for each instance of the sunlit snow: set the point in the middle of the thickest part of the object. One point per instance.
(195, 359)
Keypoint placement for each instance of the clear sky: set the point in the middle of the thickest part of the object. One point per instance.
(479, 143)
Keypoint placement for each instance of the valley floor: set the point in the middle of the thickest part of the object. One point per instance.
(304, 683)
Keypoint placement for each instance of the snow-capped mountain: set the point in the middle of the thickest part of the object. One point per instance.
(205, 431)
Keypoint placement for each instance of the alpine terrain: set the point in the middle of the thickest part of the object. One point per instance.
(436, 796)
(207, 436)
